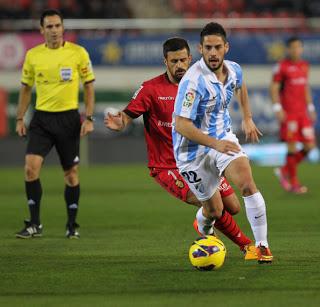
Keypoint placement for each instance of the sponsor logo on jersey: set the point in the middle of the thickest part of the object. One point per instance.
(166, 98)
(189, 99)
(164, 124)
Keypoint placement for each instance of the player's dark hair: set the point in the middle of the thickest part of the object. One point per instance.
(213, 28)
(292, 39)
(50, 12)
(175, 44)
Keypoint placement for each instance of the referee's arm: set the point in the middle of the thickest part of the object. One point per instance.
(89, 99)
(23, 104)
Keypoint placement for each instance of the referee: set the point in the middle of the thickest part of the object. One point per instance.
(55, 68)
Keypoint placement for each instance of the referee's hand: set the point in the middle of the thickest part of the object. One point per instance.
(86, 127)
(21, 128)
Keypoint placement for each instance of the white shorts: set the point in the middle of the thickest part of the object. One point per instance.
(203, 174)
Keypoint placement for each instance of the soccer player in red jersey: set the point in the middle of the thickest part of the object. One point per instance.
(294, 109)
(155, 101)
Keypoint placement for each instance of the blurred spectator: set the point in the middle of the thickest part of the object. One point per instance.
(15, 9)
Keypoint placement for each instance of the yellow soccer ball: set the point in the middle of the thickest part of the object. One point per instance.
(207, 253)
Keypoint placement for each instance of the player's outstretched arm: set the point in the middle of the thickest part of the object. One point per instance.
(23, 104)
(117, 122)
(248, 126)
(185, 127)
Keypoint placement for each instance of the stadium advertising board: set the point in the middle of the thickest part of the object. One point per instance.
(147, 50)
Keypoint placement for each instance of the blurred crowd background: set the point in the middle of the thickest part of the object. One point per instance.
(170, 8)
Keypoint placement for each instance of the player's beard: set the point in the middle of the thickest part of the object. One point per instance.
(178, 75)
(215, 68)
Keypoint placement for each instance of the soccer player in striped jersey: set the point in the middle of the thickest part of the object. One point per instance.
(155, 101)
(205, 147)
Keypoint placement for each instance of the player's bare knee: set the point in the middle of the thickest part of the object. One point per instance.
(31, 173)
(248, 188)
(71, 176)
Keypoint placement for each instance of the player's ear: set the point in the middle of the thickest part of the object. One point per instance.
(227, 47)
(41, 30)
(200, 48)
(165, 62)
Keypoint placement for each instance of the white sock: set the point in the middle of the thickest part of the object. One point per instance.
(205, 225)
(257, 217)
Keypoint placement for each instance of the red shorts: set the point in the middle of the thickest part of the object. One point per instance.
(297, 129)
(173, 182)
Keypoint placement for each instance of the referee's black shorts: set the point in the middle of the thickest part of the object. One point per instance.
(59, 129)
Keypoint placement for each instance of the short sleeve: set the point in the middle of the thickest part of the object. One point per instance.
(85, 67)
(239, 75)
(27, 77)
(187, 99)
(277, 73)
(139, 103)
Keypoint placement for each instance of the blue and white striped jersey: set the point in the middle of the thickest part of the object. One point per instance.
(204, 99)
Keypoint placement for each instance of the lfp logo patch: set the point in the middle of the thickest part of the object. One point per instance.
(189, 99)
(66, 74)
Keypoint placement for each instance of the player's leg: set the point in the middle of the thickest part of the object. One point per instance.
(307, 137)
(226, 224)
(173, 183)
(68, 146)
(289, 133)
(239, 172)
(39, 145)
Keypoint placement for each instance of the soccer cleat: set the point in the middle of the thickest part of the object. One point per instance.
(299, 189)
(72, 232)
(264, 254)
(250, 252)
(284, 182)
(195, 226)
(29, 231)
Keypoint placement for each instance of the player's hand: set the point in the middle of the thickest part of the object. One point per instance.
(281, 116)
(227, 147)
(21, 128)
(86, 127)
(251, 131)
(114, 122)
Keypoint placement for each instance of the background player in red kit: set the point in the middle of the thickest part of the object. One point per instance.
(294, 109)
(155, 101)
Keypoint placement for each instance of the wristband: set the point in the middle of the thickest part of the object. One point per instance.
(276, 107)
(311, 107)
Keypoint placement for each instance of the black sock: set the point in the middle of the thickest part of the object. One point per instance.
(34, 193)
(71, 196)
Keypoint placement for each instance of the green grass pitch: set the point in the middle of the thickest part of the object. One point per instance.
(134, 245)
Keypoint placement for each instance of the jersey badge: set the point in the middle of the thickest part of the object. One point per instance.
(189, 99)
(66, 74)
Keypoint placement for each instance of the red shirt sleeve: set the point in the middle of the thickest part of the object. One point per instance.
(278, 73)
(140, 102)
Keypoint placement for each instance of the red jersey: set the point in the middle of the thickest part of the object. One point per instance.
(293, 77)
(155, 101)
